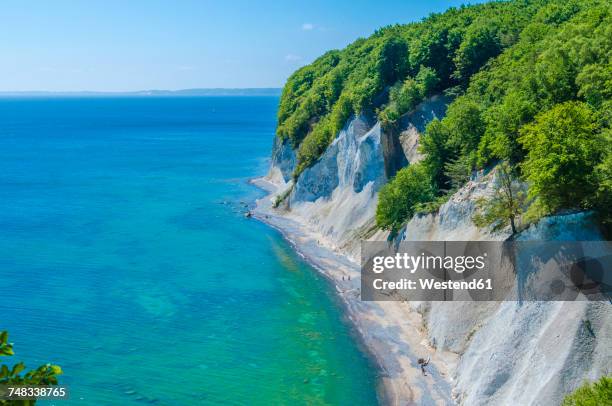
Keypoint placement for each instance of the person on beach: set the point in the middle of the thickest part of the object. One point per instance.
(423, 364)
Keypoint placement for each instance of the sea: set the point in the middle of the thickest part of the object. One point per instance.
(126, 258)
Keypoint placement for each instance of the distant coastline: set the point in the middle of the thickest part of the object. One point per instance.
(255, 91)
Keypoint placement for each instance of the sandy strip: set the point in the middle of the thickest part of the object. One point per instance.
(392, 332)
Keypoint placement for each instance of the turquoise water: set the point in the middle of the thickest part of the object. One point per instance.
(125, 258)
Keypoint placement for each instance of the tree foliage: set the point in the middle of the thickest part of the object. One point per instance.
(505, 206)
(591, 394)
(404, 96)
(393, 70)
(520, 72)
(543, 105)
(564, 148)
(43, 375)
(398, 199)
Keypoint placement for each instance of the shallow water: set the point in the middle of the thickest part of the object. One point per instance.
(126, 258)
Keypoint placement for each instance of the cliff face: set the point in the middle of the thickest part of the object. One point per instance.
(514, 353)
(337, 196)
(509, 353)
(283, 162)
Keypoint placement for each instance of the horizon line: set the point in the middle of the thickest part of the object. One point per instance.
(204, 91)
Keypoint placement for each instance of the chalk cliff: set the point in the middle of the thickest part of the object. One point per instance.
(508, 352)
(337, 196)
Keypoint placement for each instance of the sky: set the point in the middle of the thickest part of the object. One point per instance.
(138, 45)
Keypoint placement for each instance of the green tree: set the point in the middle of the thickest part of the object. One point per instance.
(466, 125)
(458, 171)
(427, 80)
(563, 147)
(404, 96)
(506, 204)
(397, 199)
(43, 375)
(603, 172)
(591, 394)
(433, 146)
(503, 123)
(595, 83)
(393, 60)
(480, 44)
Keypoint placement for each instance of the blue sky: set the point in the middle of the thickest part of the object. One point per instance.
(132, 45)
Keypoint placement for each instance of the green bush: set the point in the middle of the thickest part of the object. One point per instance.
(603, 172)
(43, 375)
(505, 206)
(591, 394)
(564, 147)
(398, 199)
(404, 96)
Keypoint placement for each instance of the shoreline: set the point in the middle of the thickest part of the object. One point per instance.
(381, 392)
(391, 333)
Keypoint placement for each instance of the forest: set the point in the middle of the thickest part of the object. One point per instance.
(530, 81)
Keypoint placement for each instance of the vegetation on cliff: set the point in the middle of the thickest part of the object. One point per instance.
(393, 70)
(543, 105)
(505, 206)
(532, 81)
(591, 394)
(398, 205)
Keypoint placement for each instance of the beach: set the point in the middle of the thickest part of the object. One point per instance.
(392, 333)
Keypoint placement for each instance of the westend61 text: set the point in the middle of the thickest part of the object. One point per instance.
(432, 284)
